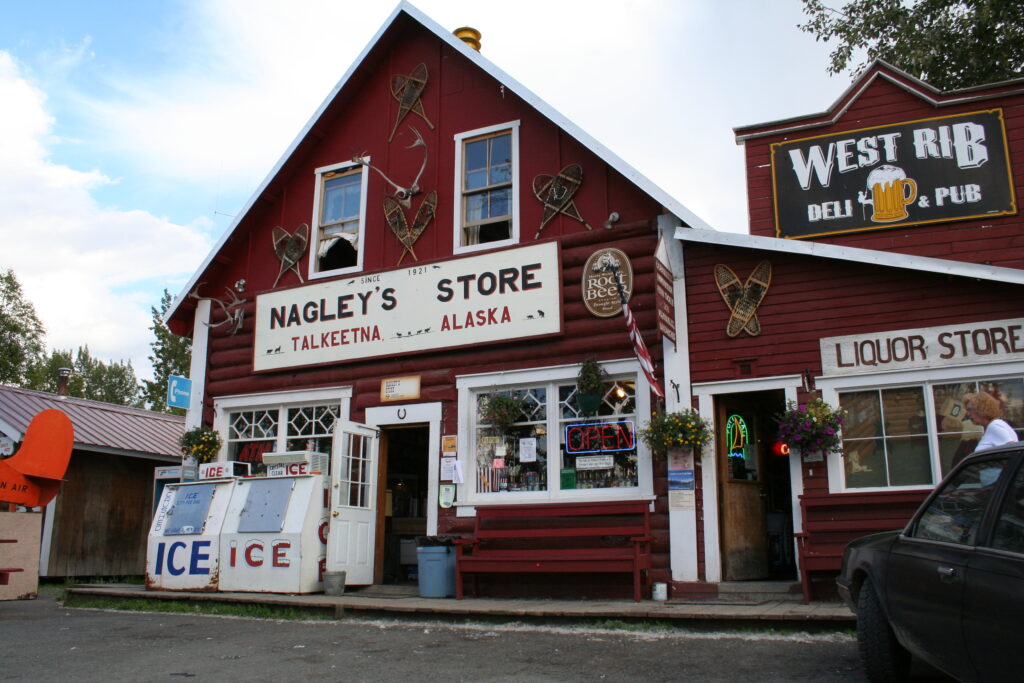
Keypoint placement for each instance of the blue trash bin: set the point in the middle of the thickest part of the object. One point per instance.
(436, 571)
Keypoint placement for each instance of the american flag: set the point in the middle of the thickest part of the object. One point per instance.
(639, 348)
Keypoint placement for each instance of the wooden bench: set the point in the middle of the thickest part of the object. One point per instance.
(568, 537)
(830, 522)
(5, 574)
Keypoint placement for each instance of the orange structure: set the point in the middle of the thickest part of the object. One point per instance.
(32, 476)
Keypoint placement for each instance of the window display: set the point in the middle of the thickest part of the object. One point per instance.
(515, 427)
(912, 436)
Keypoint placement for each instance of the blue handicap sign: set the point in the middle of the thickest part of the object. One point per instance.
(179, 391)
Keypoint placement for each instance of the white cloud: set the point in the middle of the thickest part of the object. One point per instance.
(88, 270)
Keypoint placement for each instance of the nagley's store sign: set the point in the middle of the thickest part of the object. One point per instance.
(910, 173)
(510, 294)
(930, 347)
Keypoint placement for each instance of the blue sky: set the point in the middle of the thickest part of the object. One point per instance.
(131, 133)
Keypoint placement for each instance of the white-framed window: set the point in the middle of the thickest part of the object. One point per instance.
(287, 421)
(906, 430)
(486, 201)
(339, 211)
(555, 451)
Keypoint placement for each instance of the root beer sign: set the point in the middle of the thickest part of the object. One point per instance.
(911, 173)
(510, 294)
(600, 293)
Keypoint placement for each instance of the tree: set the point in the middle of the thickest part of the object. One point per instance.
(91, 378)
(949, 44)
(22, 336)
(172, 355)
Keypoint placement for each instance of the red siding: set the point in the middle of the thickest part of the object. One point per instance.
(999, 240)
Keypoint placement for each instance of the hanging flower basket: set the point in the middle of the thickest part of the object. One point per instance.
(681, 429)
(501, 411)
(201, 444)
(811, 428)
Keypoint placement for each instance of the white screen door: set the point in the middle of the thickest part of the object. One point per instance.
(350, 543)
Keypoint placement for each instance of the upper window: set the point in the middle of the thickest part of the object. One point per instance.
(487, 194)
(338, 218)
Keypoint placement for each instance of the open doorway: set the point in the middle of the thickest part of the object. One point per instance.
(402, 507)
(755, 496)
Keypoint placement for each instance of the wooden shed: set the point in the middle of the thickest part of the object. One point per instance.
(97, 524)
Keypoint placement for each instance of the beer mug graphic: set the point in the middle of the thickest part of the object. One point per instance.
(891, 190)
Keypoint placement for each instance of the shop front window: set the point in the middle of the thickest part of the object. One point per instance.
(251, 433)
(512, 457)
(958, 436)
(590, 447)
(913, 435)
(598, 451)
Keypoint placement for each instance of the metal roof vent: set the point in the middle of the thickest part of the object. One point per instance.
(470, 36)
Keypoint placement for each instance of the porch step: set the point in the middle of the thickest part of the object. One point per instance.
(759, 591)
(744, 593)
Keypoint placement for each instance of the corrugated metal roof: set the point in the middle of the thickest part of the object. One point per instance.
(98, 426)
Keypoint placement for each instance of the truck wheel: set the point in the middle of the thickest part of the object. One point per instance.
(884, 659)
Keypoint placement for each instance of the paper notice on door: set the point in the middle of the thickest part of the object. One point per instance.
(680, 500)
(448, 469)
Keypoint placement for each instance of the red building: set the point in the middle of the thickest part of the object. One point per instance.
(884, 269)
(427, 242)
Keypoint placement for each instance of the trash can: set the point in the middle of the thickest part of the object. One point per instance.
(436, 563)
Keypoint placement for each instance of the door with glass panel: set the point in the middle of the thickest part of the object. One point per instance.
(352, 536)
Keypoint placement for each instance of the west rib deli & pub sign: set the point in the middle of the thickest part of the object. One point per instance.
(910, 173)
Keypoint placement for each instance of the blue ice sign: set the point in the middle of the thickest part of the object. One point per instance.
(179, 391)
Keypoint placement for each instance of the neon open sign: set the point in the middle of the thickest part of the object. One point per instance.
(600, 437)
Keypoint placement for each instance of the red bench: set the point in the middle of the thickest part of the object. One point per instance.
(568, 537)
(830, 522)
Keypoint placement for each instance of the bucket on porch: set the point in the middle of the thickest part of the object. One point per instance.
(334, 583)
(436, 559)
(659, 591)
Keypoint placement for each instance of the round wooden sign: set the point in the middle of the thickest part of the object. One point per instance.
(600, 293)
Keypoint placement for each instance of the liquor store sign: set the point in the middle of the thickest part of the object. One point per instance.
(929, 347)
(510, 294)
(910, 173)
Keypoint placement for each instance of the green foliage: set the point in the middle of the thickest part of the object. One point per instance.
(683, 428)
(91, 378)
(22, 336)
(172, 355)
(200, 443)
(949, 44)
(591, 378)
(501, 410)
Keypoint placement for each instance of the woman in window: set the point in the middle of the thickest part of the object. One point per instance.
(984, 410)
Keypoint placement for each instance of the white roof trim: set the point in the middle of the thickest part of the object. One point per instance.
(871, 256)
(634, 176)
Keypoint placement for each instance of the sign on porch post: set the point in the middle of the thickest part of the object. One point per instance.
(179, 391)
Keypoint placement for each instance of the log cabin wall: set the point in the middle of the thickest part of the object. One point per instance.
(356, 122)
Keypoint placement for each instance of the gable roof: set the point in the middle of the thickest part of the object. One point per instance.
(354, 73)
(879, 70)
(99, 427)
(840, 253)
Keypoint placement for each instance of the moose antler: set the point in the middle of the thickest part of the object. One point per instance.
(404, 195)
(236, 318)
